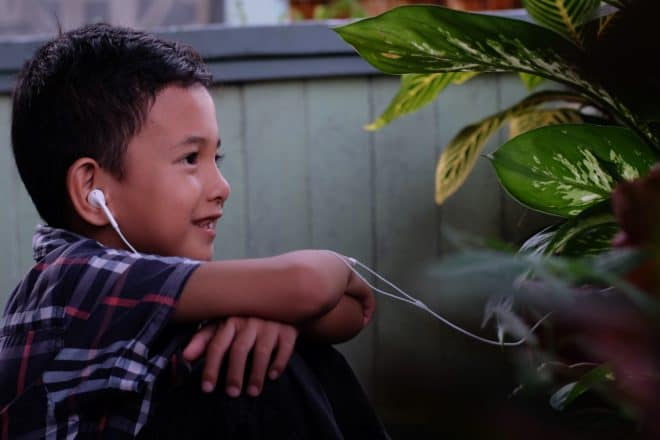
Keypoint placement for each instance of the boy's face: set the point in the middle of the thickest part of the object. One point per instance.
(172, 193)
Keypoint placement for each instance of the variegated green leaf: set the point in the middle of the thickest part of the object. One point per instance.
(589, 233)
(428, 39)
(569, 392)
(458, 158)
(562, 16)
(535, 118)
(530, 81)
(538, 243)
(564, 169)
(416, 91)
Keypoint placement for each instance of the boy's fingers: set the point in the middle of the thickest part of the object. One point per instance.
(238, 354)
(361, 291)
(215, 352)
(368, 308)
(263, 350)
(285, 346)
(197, 345)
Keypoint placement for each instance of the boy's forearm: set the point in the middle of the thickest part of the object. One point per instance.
(290, 288)
(340, 324)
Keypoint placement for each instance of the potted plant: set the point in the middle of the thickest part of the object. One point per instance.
(569, 150)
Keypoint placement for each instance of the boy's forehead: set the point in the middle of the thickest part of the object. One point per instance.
(182, 115)
(196, 140)
(178, 101)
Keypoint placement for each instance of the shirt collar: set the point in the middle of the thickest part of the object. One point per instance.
(46, 239)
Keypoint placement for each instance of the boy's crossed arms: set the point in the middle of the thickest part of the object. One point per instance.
(270, 300)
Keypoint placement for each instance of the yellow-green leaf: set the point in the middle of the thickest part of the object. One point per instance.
(416, 91)
(562, 16)
(457, 160)
(535, 118)
(530, 81)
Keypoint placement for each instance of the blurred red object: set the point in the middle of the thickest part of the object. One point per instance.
(305, 8)
(483, 5)
(636, 207)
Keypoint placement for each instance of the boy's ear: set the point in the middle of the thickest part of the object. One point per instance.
(83, 176)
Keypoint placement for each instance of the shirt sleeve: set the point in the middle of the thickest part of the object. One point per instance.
(118, 336)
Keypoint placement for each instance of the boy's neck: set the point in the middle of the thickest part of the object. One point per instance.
(104, 234)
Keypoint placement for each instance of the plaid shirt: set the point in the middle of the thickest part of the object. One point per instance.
(84, 337)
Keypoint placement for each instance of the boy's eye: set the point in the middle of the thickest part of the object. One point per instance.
(219, 158)
(191, 158)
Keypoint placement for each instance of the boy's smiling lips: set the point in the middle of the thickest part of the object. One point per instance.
(208, 222)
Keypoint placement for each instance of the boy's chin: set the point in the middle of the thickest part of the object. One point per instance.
(200, 254)
(192, 251)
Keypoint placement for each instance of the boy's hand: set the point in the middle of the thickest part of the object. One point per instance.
(361, 292)
(241, 336)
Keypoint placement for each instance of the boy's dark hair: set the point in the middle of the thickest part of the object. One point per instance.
(86, 93)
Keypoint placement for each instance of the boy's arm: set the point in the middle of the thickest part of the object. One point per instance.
(345, 320)
(290, 288)
(271, 343)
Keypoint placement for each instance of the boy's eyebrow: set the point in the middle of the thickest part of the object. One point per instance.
(194, 140)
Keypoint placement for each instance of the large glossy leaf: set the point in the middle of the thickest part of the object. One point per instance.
(416, 91)
(564, 169)
(458, 158)
(419, 39)
(535, 118)
(562, 16)
(428, 39)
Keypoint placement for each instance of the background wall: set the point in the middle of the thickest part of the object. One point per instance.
(305, 175)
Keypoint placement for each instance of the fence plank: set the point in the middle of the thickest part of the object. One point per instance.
(26, 225)
(9, 260)
(476, 207)
(406, 233)
(231, 241)
(278, 180)
(340, 183)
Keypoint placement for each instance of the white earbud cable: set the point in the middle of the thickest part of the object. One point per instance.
(114, 224)
(352, 262)
(125, 241)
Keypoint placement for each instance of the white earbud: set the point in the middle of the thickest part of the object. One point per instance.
(96, 198)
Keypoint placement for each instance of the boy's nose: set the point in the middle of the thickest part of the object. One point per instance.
(221, 188)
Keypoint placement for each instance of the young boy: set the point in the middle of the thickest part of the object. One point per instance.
(113, 122)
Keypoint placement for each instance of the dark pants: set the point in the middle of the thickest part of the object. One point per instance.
(317, 397)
